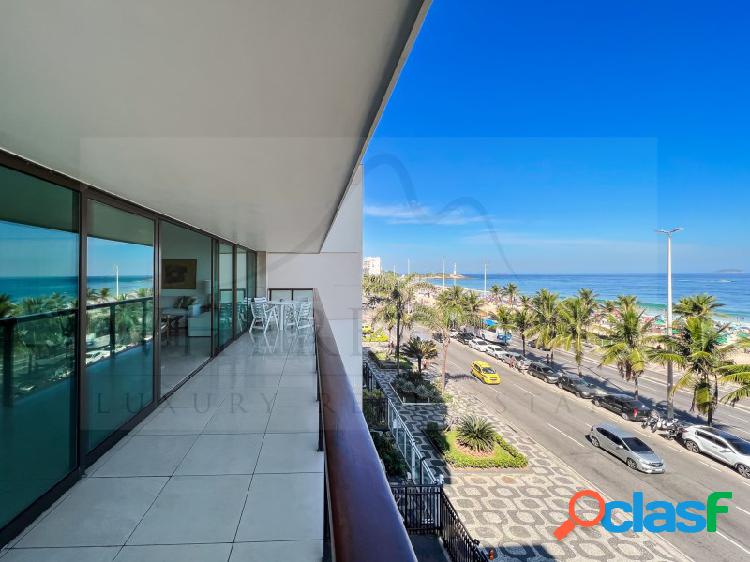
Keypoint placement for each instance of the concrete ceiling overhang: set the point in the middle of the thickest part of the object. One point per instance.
(245, 118)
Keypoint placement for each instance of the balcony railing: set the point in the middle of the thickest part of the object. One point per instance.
(362, 520)
(39, 349)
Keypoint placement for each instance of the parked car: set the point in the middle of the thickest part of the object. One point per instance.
(522, 364)
(719, 444)
(465, 337)
(484, 372)
(544, 372)
(626, 406)
(533, 344)
(626, 447)
(578, 386)
(479, 344)
(496, 350)
(509, 358)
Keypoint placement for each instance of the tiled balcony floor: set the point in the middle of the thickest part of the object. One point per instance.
(226, 470)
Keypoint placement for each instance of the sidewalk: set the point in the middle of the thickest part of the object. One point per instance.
(516, 511)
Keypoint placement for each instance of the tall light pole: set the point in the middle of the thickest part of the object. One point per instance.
(670, 377)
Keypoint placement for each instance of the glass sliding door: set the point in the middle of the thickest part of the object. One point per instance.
(223, 293)
(184, 303)
(119, 314)
(39, 241)
(240, 308)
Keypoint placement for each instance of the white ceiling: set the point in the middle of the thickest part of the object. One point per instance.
(242, 117)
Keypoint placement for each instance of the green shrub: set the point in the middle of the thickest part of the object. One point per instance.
(386, 360)
(476, 434)
(505, 455)
(395, 466)
(375, 337)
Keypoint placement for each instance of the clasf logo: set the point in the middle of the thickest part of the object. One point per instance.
(655, 516)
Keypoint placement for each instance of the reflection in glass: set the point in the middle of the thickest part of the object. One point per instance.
(241, 308)
(185, 303)
(223, 271)
(119, 329)
(38, 319)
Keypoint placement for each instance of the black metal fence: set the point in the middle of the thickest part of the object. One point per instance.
(427, 510)
(368, 380)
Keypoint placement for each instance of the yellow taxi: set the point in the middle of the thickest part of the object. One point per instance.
(485, 373)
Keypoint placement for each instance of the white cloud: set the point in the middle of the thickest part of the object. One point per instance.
(416, 213)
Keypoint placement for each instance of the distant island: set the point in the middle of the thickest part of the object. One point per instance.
(729, 271)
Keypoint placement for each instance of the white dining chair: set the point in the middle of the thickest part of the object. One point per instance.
(263, 315)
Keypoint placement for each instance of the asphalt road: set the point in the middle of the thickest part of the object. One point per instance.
(560, 421)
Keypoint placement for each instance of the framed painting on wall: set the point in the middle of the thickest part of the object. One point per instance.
(178, 274)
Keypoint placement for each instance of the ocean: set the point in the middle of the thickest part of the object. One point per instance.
(732, 289)
(20, 288)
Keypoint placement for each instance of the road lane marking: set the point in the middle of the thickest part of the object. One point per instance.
(745, 511)
(734, 542)
(708, 465)
(519, 388)
(566, 435)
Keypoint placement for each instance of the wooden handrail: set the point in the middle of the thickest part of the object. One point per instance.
(364, 521)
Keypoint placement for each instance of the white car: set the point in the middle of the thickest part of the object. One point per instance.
(721, 445)
(494, 350)
(479, 344)
(510, 357)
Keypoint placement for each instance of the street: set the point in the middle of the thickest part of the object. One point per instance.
(560, 421)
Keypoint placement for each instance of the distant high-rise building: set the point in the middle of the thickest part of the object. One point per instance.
(371, 266)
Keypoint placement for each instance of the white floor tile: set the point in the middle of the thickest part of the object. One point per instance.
(222, 454)
(290, 452)
(283, 507)
(194, 509)
(147, 455)
(176, 553)
(277, 551)
(97, 512)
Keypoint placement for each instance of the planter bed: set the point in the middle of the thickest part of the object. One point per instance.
(504, 455)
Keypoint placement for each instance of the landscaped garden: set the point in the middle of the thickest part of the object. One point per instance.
(474, 443)
(387, 360)
(413, 388)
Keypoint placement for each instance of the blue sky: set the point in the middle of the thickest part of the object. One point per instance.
(554, 137)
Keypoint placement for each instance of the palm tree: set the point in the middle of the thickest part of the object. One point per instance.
(697, 306)
(546, 314)
(739, 375)
(104, 293)
(523, 321)
(626, 341)
(511, 291)
(92, 295)
(576, 316)
(398, 303)
(504, 318)
(421, 350)
(588, 296)
(452, 310)
(6, 305)
(697, 348)
(496, 292)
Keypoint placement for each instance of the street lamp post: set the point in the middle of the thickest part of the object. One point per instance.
(670, 375)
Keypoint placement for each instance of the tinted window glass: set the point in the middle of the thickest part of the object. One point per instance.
(39, 239)
(739, 445)
(119, 312)
(636, 445)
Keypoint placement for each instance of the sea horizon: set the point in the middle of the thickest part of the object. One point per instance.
(731, 289)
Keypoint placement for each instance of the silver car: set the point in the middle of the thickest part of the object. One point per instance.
(721, 445)
(626, 447)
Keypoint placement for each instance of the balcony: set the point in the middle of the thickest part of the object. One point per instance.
(230, 467)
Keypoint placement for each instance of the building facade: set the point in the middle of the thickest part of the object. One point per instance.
(152, 185)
